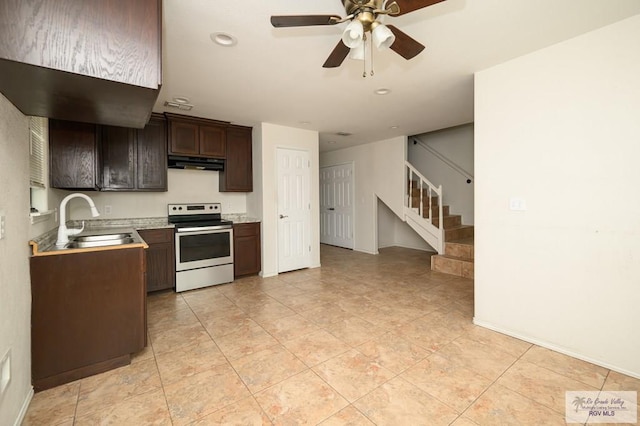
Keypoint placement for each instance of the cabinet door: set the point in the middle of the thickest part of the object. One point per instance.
(246, 249)
(184, 138)
(118, 158)
(160, 275)
(152, 155)
(161, 270)
(238, 173)
(212, 141)
(73, 155)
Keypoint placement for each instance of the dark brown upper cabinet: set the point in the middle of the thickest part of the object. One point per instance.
(118, 158)
(135, 159)
(82, 60)
(151, 155)
(196, 137)
(237, 175)
(108, 158)
(74, 155)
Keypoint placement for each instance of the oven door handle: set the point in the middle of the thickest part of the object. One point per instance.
(201, 230)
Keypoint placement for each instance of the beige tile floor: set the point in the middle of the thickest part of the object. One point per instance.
(363, 340)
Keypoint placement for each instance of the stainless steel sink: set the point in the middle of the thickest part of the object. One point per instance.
(101, 237)
(100, 240)
(100, 243)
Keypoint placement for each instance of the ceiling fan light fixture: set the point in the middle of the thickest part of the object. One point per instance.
(353, 34)
(357, 52)
(383, 38)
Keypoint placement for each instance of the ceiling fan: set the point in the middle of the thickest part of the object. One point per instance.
(363, 17)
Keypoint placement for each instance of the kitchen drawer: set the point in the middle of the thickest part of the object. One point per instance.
(155, 236)
(246, 229)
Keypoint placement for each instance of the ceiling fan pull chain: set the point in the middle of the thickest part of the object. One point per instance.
(372, 49)
(364, 63)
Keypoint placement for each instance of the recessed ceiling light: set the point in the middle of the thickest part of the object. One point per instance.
(181, 100)
(304, 123)
(382, 91)
(343, 134)
(224, 39)
(394, 127)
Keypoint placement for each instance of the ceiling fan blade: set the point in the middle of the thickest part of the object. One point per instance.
(336, 57)
(407, 6)
(303, 20)
(404, 45)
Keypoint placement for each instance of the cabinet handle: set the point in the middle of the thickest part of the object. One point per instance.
(330, 208)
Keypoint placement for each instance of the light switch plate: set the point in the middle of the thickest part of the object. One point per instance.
(517, 204)
(1, 227)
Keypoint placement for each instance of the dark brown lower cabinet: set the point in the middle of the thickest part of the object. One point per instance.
(161, 266)
(246, 249)
(88, 313)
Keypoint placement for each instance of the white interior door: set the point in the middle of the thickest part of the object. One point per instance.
(336, 205)
(294, 210)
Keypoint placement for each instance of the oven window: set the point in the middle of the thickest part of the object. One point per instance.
(204, 246)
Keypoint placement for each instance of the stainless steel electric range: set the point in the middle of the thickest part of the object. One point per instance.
(204, 245)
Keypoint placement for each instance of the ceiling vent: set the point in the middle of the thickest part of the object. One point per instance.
(181, 106)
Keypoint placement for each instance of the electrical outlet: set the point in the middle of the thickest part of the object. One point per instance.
(5, 372)
(107, 209)
(1, 226)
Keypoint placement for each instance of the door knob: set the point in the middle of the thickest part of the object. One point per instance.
(283, 216)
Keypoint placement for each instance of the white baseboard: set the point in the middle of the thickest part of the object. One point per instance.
(556, 348)
(25, 406)
(366, 251)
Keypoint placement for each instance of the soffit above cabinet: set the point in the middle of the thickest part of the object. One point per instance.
(82, 60)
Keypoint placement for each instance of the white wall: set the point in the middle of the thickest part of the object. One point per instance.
(560, 128)
(456, 144)
(386, 225)
(184, 186)
(378, 172)
(15, 288)
(393, 232)
(271, 138)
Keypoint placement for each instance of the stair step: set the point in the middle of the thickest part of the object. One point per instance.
(450, 221)
(452, 265)
(458, 233)
(462, 249)
(415, 201)
(434, 211)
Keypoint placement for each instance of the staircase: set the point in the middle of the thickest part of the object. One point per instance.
(457, 258)
(452, 239)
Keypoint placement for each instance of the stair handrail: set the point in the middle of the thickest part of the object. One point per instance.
(431, 188)
(443, 158)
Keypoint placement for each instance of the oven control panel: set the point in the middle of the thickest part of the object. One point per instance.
(194, 209)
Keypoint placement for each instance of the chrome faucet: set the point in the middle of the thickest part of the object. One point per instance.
(63, 231)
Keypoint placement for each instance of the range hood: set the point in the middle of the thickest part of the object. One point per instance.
(195, 163)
